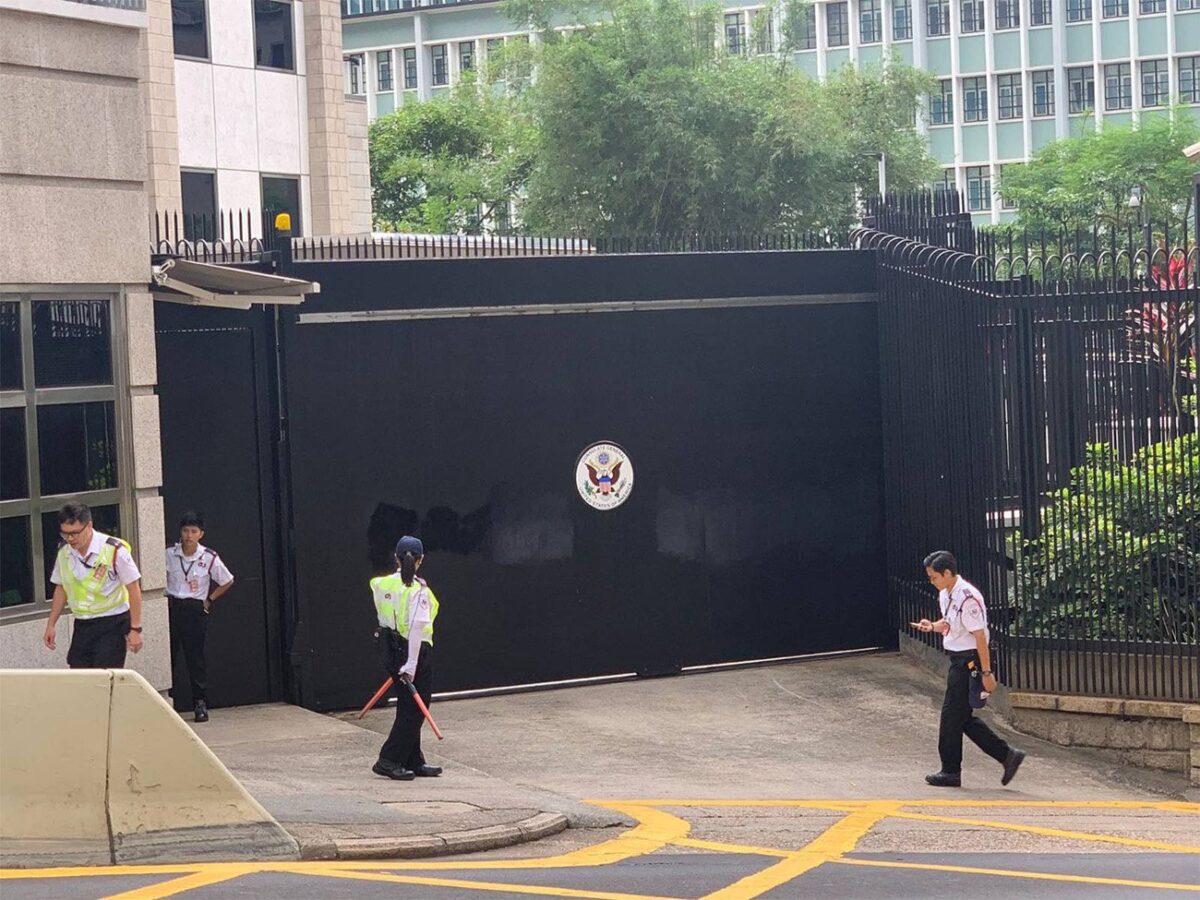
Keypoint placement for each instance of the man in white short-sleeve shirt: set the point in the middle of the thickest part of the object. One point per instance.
(94, 573)
(192, 572)
(964, 630)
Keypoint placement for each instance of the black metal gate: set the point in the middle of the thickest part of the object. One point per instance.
(215, 409)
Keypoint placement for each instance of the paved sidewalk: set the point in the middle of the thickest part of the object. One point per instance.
(313, 774)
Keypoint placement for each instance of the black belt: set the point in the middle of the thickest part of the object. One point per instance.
(963, 654)
(197, 599)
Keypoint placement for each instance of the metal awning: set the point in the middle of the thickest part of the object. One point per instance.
(207, 284)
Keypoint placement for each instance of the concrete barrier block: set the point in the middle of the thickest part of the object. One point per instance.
(53, 734)
(170, 798)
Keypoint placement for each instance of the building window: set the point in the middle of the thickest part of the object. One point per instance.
(972, 16)
(1079, 10)
(1184, 5)
(735, 32)
(1039, 12)
(837, 24)
(941, 104)
(356, 83)
(1156, 83)
(189, 26)
(1118, 86)
(383, 70)
(806, 39)
(975, 99)
(870, 21)
(410, 68)
(273, 46)
(466, 56)
(1189, 79)
(1008, 14)
(58, 446)
(937, 18)
(1010, 103)
(198, 192)
(947, 185)
(901, 20)
(1043, 92)
(1081, 89)
(281, 194)
(1150, 7)
(763, 29)
(441, 65)
(1114, 9)
(979, 188)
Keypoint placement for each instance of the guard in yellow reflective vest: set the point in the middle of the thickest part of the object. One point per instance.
(406, 609)
(96, 576)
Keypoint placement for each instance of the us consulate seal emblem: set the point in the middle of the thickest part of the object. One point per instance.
(604, 476)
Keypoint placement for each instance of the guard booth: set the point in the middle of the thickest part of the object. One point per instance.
(618, 463)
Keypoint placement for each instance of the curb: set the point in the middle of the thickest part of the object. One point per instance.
(422, 846)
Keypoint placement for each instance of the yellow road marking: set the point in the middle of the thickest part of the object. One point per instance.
(1013, 873)
(722, 847)
(496, 886)
(213, 874)
(832, 843)
(833, 803)
(654, 830)
(1051, 832)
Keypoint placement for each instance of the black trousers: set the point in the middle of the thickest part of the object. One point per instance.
(189, 628)
(958, 718)
(99, 643)
(403, 744)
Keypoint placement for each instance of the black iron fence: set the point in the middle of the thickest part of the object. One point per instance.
(1040, 420)
(240, 236)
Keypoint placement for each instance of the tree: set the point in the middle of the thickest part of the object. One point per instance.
(449, 165)
(1085, 182)
(646, 126)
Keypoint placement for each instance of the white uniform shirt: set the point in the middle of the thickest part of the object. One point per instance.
(190, 576)
(124, 570)
(962, 606)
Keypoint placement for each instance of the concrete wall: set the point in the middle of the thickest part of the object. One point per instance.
(359, 165)
(330, 184)
(96, 768)
(73, 211)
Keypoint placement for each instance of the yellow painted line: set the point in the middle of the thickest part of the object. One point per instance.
(722, 847)
(93, 871)
(1051, 832)
(214, 874)
(495, 886)
(654, 830)
(1010, 873)
(833, 803)
(832, 843)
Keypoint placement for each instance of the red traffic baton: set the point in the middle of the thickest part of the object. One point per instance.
(412, 689)
(378, 694)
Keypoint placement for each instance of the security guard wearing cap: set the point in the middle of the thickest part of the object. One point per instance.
(94, 573)
(406, 609)
(964, 629)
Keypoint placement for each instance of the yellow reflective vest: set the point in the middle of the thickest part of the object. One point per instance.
(84, 594)
(392, 597)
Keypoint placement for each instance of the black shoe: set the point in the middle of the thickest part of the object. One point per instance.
(396, 773)
(1012, 762)
(424, 771)
(944, 779)
(201, 711)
